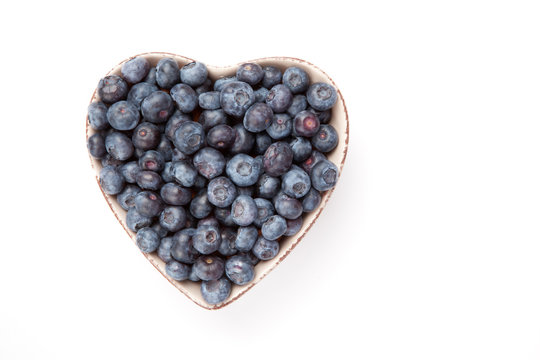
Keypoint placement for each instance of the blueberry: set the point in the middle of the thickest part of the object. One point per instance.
(111, 180)
(191, 221)
(177, 155)
(200, 207)
(165, 148)
(312, 160)
(274, 227)
(272, 76)
(208, 221)
(185, 97)
(174, 122)
(311, 201)
(173, 194)
(281, 127)
(265, 249)
(184, 173)
(326, 139)
(259, 160)
(129, 171)
(258, 117)
(164, 249)
(209, 267)
(243, 170)
(119, 146)
(245, 238)
(182, 249)
(152, 160)
(192, 276)
(146, 136)
(265, 209)
(305, 123)
(287, 206)
(194, 74)
(221, 192)
(173, 218)
(167, 174)
(205, 87)
(126, 198)
(279, 98)
(97, 116)
(295, 182)
(148, 204)
(262, 143)
(243, 143)
(149, 180)
(220, 83)
(245, 190)
(321, 96)
(236, 97)
(268, 186)
(112, 88)
(200, 182)
(299, 103)
(209, 100)
(296, 79)
(223, 215)
(135, 70)
(301, 148)
(324, 175)
(294, 226)
(151, 77)
(215, 291)
(138, 152)
(157, 107)
(147, 240)
(250, 73)
(189, 137)
(250, 256)
(177, 271)
(209, 162)
(324, 116)
(277, 159)
(167, 73)
(260, 94)
(108, 160)
(160, 230)
(96, 146)
(139, 91)
(228, 239)
(123, 115)
(239, 270)
(136, 221)
(243, 210)
(210, 118)
(221, 137)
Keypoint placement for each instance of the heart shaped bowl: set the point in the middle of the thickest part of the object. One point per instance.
(340, 122)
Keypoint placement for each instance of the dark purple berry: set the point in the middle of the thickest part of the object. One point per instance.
(250, 73)
(277, 159)
(112, 88)
(146, 136)
(96, 146)
(306, 124)
(135, 70)
(221, 137)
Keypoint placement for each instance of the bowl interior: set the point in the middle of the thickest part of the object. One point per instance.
(339, 121)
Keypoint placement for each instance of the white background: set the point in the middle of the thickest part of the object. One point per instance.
(428, 249)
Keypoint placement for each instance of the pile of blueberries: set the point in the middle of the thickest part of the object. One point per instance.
(213, 174)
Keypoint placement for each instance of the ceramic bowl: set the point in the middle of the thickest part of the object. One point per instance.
(340, 122)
